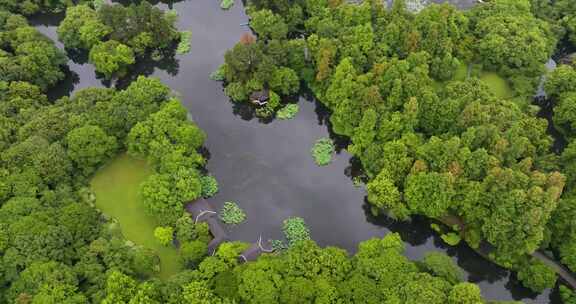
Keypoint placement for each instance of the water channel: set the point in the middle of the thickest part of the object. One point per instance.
(266, 167)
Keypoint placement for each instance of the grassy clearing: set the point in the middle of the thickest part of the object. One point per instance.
(497, 84)
(116, 188)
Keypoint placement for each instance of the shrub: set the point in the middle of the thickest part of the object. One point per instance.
(232, 214)
(89, 147)
(567, 295)
(465, 293)
(218, 75)
(288, 112)
(441, 265)
(295, 230)
(164, 235)
(192, 253)
(145, 261)
(537, 276)
(322, 151)
(185, 228)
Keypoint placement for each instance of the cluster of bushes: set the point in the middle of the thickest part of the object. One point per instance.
(255, 65)
(26, 54)
(429, 144)
(561, 233)
(170, 142)
(115, 35)
(29, 7)
(561, 14)
(306, 273)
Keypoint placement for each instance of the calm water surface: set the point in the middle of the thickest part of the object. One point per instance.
(267, 167)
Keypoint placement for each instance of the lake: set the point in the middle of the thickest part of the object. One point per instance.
(267, 168)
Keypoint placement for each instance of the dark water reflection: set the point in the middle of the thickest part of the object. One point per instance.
(266, 166)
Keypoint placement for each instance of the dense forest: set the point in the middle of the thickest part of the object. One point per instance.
(407, 89)
(434, 137)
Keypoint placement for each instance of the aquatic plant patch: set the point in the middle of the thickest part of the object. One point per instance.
(288, 112)
(322, 151)
(209, 186)
(278, 245)
(232, 214)
(218, 75)
(295, 230)
(226, 4)
(451, 238)
(184, 45)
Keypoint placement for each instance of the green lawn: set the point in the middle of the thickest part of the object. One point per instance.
(497, 84)
(461, 72)
(116, 189)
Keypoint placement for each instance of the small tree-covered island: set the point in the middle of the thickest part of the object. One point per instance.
(457, 116)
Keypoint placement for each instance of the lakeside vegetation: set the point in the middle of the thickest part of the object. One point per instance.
(289, 111)
(116, 35)
(432, 141)
(437, 106)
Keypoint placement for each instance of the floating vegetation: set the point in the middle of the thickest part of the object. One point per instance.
(184, 45)
(209, 186)
(295, 230)
(451, 238)
(288, 112)
(226, 4)
(232, 214)
(322, 151)
(218, 75)
(278, 245)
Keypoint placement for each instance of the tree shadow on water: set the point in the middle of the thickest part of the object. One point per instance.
(64, 87)
(415, 231)
(146, 66)
(518, 291)
(79, 56)
(247, 112)
(47, 18)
